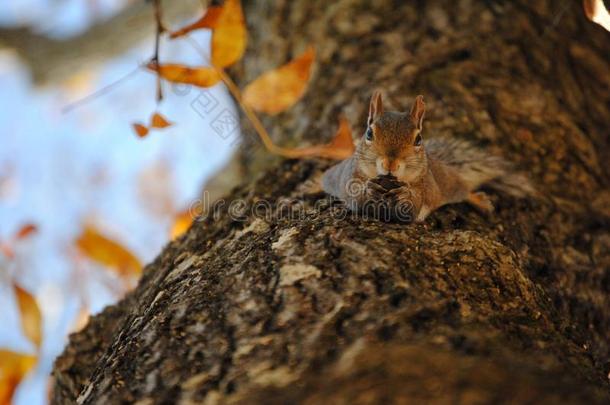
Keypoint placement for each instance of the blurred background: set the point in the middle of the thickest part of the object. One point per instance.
(70, 159)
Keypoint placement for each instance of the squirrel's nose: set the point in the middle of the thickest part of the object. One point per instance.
(391, 165)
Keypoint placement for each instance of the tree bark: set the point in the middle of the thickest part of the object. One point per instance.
(326, 308)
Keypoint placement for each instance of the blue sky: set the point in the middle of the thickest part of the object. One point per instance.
(61, 170)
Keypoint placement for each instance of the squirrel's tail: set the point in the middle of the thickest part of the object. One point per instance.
(480, 168)
(513, 183)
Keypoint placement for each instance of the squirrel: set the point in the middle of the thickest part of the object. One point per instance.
(393, 162)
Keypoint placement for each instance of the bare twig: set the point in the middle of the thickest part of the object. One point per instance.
(155, 59)
(104, 90)
(159, 30)
(292, 153)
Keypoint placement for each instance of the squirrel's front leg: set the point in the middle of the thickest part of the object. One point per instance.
(362, 193)
(374, 191)
(407, 204)
(342, 181)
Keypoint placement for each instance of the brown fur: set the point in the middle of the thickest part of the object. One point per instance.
(439, 171)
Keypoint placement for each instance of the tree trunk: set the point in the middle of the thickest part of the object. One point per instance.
(322, 307)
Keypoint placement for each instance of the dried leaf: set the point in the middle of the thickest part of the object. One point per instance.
(31, 319)
(596, 11)
(209, 20)
(108, 252)
(25, 231)
(201, 76)
(13, 368)
(279, 89)
(182, 222)
(140, 129)
(159, 121)
(341, 147)
(229, 35)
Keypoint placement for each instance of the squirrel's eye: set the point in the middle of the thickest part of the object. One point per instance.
(417, 140)
(368, 134)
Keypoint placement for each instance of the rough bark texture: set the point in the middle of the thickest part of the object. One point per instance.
(325, 309)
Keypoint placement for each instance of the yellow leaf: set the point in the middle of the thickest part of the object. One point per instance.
(159, 121)
(13, 367)
(229, 35)
(140, 129)
(209, 20)
(279, 89)
(108, 252)
(182, 223)
(31, 319)
(201, 76)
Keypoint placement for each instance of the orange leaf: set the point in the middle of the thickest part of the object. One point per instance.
(201, 76)
(13, 367)
(229, 35)
(107, 252)
(182, 223)
(279, 89)
(159, 121)
(26, 231)
(140, 129)
(209, 20)
(31, 319)
(341, 147)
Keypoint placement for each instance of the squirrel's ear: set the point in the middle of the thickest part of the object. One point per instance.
(417, 112)
(375, 107)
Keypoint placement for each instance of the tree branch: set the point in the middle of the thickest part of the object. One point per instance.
(51, 60)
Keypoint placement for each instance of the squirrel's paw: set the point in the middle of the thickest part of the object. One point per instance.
(481, 201)
(374, 191)
(402, 195)
(404, 207)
